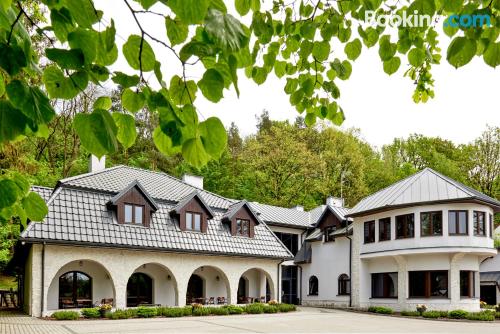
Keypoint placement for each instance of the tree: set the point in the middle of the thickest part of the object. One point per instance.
(293, 40)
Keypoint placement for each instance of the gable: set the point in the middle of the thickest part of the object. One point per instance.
(329, 219)
(135, 196)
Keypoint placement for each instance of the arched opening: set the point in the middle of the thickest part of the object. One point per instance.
(208, 285)
(75, 290)
(139, 290)
(78, 284)
(159, 287)
(344, 287)
(313, 286)
(255, 285)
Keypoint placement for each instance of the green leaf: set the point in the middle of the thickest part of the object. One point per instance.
(194, 152)
(86, 41)
(492, 54)
(132, 51)
(5, 4)
(392, 65)
(164, 143)
(68, 59)
(424, 7)
(310, 119)
(195, 48)
(321, 50)
(125, 80)
(225, 31)
(189, 11)
(12, 122)
(242, 6)
(387, 50)
(59, 86)
(82, 11)
(344, 34)
(8, 193)
(219, 5)
(177, 32)
(453, 6)
(146, 4)
(371, 37)
(181, 93)
(106, 52)
(211, 85)
(132, 101)
(353, 49)
(416, 57)
(35, 207)
(233, 67)
(259, 75)
(62, 23)
(461, 51)
(213, 136)
(97, 132)
(12, 58)
(126, 129)
(31, 101)
(280, 68)
(2, 85)
(103, 102)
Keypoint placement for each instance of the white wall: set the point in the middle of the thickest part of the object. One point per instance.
(211, 286)
(491, 264)
(329, 261)
(164, 290)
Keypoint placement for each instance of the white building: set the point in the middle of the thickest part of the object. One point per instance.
(421, 241)
(490, 277)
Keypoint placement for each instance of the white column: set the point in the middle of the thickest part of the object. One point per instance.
(402, 280)
(454, 279)
(262, 284)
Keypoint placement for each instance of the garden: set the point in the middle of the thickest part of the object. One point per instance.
(105, 311)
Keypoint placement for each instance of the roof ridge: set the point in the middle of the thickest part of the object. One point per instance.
(81, 176)
(43, 187)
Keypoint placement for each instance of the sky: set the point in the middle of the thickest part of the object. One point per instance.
(380, 106)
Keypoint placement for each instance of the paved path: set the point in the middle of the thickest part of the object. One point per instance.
(307, 320)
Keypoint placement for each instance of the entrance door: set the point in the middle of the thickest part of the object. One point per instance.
(489, 294)
(242, 290)
(195, 289)
(139, 290)
(289, 285)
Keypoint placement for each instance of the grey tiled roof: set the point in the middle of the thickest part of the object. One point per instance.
(159, 186)
(44, 192)
(281, 216)
(233, 209)
(81, 216)
(424, 186)
(182, 203)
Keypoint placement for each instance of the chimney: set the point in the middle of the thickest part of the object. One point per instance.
(298, 208)
(335, 201)
(194, 180)
(96, 164)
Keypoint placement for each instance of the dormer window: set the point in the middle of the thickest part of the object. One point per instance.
(243, 227)
(133, 214)
(193, 221)
(133, 205)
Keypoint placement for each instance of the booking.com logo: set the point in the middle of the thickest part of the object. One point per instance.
(417, 20)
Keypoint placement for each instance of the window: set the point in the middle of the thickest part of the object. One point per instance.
(479, 223)
(313, 286)
(75, 290)
(134, 214)
(467, 283)
(290, 241)
(431, 223)
(384, 229)
(139, 290)
(427, 284)
(329, 230)
(193, 221)
(243, 227)
(458, 222)
(385, 285)
(344, 285)
(405, 226)
(369, 232)
(491, 226)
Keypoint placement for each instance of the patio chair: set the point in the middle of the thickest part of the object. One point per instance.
(262, 299)
(211, 301)
(221, 300)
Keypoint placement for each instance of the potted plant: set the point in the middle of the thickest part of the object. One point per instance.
(104, 308)
(421, 308)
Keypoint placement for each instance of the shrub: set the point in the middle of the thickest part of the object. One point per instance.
(122, 314)
(91, 312)
(410, 313)
(255, 308)
(434, 314)
(481, 316)
(497, 315)
(171, 312)
(380, 309)
(219, 311)
(188, 310)
(270, 309)
(286, 307)
(273, 302)
(233, 309)
(458, 314)
(146, 312)
(199, 311)
(66, 315)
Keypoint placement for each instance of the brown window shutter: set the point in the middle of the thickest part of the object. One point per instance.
(204, 223)
(233, 227)
(252, 227)
(146, 216)
(182, 221)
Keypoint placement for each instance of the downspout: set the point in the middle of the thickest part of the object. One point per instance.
(300, 266)
(350, 266)
(278, 292)
(43, 279)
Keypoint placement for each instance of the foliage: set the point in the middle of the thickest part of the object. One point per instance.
(201, 311)
(255, 308)
(234, 309)
(435, 314)
(122, 314)
(286, 307)
(410, 313)
(458, 314)
(173, 312)
(146, 312)
(93, 312)
(299, 43)
(481, 316)
(219, 311)
(380, 309)
(66, 315)
(270, 309)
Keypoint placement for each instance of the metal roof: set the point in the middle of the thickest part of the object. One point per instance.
(44, 192)
(275, 215)
(233, 209)
(422, 187)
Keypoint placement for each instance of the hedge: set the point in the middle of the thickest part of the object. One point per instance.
(482, 316)
(66, 315)
(255, 308)
(233, 309)
(458, 314)
(380, 309)
(146, 312)
(410, 313)
(91, 312)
